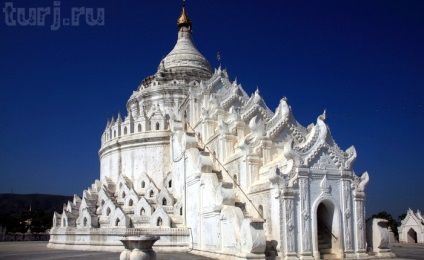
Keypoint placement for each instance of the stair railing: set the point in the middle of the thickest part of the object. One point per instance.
(226, 171)
(327, 229)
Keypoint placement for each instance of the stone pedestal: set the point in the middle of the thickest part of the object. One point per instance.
(378, 238)
(138, 248)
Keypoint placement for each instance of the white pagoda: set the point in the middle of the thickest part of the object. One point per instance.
(411, 229)
(214, 171)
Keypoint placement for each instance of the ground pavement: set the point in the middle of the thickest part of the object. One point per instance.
(408, 251)
(39, 251)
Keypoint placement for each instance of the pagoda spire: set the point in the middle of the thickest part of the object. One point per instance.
(184, 21)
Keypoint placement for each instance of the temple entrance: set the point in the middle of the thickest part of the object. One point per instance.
(328, 231)
(411, 236)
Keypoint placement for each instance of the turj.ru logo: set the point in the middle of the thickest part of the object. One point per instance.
(37, 16)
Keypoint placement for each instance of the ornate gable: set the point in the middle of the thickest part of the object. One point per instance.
(280, 119)
(256, 106)
(323, 161)
(119, 219)
(235, 97)
(160, 218)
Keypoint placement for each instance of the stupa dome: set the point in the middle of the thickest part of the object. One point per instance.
(185, 55)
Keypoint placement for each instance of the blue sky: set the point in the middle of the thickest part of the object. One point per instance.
(361, 60)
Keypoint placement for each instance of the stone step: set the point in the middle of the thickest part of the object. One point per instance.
(329, 256)
(325, 251)
(324, 247)
(321, 241)
(218, 174)
(241, 205)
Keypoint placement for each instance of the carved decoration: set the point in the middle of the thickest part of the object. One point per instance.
(361, 182)
(347, 215)
(325, 185)
(306, 234)
(290, 223)
(360, 225)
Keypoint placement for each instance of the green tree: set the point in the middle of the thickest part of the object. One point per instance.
(402, 217)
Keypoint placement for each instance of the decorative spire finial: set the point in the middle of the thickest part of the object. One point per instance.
(184, 21)
(218, 57)
(325, 186)
(324, 115)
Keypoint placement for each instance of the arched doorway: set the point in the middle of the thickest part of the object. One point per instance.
(411, 236)
(328, 230)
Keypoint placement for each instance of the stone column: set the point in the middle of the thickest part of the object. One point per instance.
(305, 218)
(266, 151)
(288, 224)
(220, 113)
(274, 225)
(360, 247)
(253, 167)
(205, 98)
(193, 113)
(208, 130)
(347, 218)
(227, 146)
(240, 130)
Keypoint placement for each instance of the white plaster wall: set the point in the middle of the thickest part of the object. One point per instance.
(193, 213)
(150, 159)
(177, 189)
(209, 182)
(193, 209)
(275, 216)
(211, 231)
(229, 238)
(154, 161)
(110, 165)
(128, 158)
(177, 166)
(104, 167)
(244, 180)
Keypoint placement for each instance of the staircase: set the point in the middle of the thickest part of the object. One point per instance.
(324, 248)
(324, 243)
(242, 201)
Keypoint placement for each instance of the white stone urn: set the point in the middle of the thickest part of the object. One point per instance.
(138, 248)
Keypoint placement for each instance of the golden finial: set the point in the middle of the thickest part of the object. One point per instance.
(184, 20)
